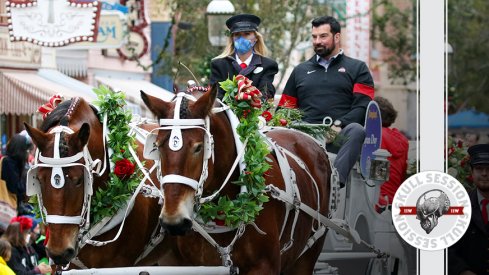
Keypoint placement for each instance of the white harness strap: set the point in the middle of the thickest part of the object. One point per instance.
(57, 163)
(180, 179)
(176, 125)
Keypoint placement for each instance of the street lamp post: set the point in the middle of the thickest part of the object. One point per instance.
(449, 52)
(218, 11)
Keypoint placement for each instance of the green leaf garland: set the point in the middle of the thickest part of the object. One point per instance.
(246, 206)
(109, 199)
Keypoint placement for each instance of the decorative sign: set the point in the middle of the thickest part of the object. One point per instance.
(52, 23)
(136, 46)
(112, 31)
(373, 136)
(137, 17)
(358, 29)
(19, 52)
(114, 7)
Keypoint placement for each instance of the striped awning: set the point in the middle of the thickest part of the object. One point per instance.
(23, 92)
(132, 88)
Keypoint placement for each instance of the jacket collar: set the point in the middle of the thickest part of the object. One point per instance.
(256, 61)
(315, 58)
(476, 211)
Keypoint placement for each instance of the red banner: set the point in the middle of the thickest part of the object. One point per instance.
(411, 210)
(408, 210)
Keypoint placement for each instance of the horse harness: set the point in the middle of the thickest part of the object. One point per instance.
(90, 167)
(290, 196)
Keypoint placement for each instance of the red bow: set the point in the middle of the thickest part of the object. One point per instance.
(47, 108)
(248, 92)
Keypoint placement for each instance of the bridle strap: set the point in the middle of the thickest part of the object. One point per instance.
(181, 122)
(172, 178)
(61, 161)
(64, 219)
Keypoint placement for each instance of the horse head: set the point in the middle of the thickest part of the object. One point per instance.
(184, 144)
(68, 142)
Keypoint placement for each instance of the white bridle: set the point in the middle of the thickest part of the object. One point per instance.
(176, 125)
(57, 163)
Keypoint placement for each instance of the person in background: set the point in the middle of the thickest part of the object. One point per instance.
(398, 146)
(333, 85)
(471, 138)
(14, 165)
(24, 258)
(5, 253)
(470, 255)
(37, 238)
(245, 54)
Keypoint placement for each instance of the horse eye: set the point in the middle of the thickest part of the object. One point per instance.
(198, 148)
(75, 180)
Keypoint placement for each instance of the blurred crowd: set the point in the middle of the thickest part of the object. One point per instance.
(22, 236)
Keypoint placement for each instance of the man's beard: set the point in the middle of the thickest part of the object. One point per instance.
(324, 51)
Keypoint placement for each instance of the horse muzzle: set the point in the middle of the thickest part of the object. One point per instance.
(177, 229)
(63, 257)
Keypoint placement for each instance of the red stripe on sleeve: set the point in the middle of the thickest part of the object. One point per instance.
(287, 101)
(364, 89)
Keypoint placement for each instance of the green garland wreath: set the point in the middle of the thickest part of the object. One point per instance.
(246, 206)
(123, 180)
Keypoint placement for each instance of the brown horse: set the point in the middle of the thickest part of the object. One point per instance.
(65, 204)
(254, 252)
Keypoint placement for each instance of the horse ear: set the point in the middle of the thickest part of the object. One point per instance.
(80, 138)
(204, 104)
(39, 138)
(157, 106)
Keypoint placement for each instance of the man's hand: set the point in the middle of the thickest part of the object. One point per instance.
(332, 134)
(337, 129)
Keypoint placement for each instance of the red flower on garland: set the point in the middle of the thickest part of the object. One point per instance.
(123, 168)
(267, 115)
(247, 92)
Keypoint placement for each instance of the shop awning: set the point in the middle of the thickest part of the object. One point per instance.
(132, 88)
(23, 92)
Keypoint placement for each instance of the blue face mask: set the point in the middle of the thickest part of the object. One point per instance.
(242, 45)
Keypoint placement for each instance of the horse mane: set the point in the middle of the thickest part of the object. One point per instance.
(184, 111)
(59, 115)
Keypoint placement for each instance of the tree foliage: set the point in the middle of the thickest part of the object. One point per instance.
(469, 71)
(393, 25)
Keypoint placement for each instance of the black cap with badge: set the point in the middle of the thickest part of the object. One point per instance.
(479, 154)
(243, 22)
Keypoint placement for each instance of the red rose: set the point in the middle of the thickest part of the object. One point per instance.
(460, 144)
(123, 168)
(267, 116)
(218, 221)
(283, 121)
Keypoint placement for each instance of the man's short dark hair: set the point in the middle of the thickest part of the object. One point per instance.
(387, 111)
(331, 21)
